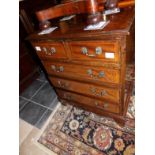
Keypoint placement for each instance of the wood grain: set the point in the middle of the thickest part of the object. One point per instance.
(91, 90)
(87, 101)
(51, 50)
(91, 46)
(78, 72)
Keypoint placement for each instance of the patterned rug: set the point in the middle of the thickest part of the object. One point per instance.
(73, 131)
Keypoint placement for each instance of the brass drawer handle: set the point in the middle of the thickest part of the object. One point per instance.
(61, 68)
(96, 103)
(100, 74)
(62, 85)
(94, 92)
(105, 105)
(84, 50)
(90, 72)
(53, 50)
(53, 67)
(103, 92)
(45, 50)
(98, 51)
(57, 69)
(49, 52)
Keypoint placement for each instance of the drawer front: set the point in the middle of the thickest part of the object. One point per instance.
(88, 89)
(91, 50)
(94, 74)
(50, 50)
(87, 101)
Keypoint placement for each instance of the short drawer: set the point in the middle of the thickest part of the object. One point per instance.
(91, 50)
(87, 101)
(50, 50)
(87, 73)
(87, 89)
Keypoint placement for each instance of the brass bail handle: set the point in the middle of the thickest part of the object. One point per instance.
(105, 105)
(101, 74)
(98, 51)
(57, 69)
(63, 85)
(97, 93)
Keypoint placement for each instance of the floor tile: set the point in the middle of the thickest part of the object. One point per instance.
(22, 103)
(29, 92)
(30, 146)
(45, 96)
(24, 130)
(45, 116)
(31, 113)
(54, 103)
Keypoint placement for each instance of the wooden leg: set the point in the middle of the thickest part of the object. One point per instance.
(120, 121)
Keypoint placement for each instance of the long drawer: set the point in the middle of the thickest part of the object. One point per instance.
(95, 50)
(89, 73)
(87, 101)
(52, 50)
(87, 89)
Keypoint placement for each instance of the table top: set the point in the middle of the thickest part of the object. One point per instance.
(119, 24)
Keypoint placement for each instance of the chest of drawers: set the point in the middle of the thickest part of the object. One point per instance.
(87, 68)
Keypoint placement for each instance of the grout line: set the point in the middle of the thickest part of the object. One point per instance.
(44, 105)
(38, 103)
(41, 80)
(54, 100)
(38, 90)
(37, 123)
(35, 92)
(48, 121)
(23, 106)
(24, 98)
(45, 82)
(42, 129)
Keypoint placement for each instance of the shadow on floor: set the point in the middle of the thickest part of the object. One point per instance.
(37, 102)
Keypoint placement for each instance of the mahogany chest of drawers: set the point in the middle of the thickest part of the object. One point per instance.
(87, 68)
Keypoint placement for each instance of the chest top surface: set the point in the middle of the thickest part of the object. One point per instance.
(119, 24)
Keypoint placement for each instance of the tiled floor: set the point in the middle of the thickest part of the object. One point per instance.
(29, 136)
(37, 102)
